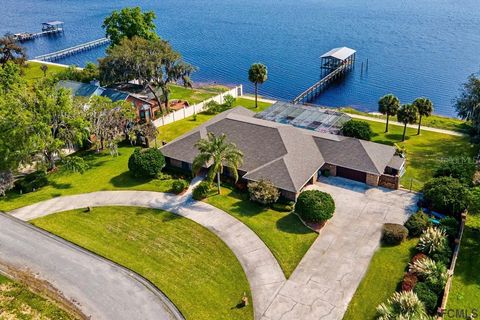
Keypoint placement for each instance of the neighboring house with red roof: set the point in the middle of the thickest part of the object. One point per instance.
(144, 108)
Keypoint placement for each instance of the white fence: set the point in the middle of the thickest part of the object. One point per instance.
(196, 108)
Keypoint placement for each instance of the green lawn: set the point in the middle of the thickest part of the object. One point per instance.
(105, 173)
(177, 128)
(18, 302)
(434, 121)
(283, 233)
(465, 290)
(196, 95)
(33, 72)
(424, 152)
(380, 282)
(194, 268)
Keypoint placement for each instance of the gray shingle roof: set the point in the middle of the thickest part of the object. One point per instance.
(285, 155)
(356, 154)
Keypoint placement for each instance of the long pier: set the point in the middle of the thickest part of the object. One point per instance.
(335, 63)
(54, 56)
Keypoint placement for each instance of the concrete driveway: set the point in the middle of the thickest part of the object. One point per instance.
(327, 277)
(99, 288)
(261, 268)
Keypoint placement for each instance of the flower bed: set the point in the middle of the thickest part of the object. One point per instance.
(425, 285)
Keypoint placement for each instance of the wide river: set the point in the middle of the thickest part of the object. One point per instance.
(414, 48)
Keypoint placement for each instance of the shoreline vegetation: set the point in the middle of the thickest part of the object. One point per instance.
(209, 88)
(433, 121)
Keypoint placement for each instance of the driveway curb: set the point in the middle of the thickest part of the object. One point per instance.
(173, 310)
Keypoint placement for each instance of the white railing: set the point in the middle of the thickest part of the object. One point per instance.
(196, 108)
(72, 50)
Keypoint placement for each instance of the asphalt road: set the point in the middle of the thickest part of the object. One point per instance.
(99, 288)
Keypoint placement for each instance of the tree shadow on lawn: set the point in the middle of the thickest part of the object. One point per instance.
(126, 180)
(244, 207)
(292, 224)
(389, 138)
(164, 216)
(60, 186)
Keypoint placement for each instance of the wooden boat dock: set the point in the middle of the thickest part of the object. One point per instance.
(335, 63)
(54, 56)
(48, 28)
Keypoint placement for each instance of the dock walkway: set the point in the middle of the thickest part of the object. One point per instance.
(335, 63)
(72, 50)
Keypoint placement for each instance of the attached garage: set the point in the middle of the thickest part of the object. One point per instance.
(352, 174)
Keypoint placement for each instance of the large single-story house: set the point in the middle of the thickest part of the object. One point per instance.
(288, 156)
(145, 109)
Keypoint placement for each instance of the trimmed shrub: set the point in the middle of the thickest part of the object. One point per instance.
(283, 207)
(228, 101)
(164, 176)
(315, 206)
(402, 305)
(446, 195)
(461, 168)
(32, 182)
(444, 255)
(146, 163)
(213, 107)
(451, 227)
(436, 282)
(474, 203)
(394, 234)
(179, 186)
(427, 296)
(419, 256)
(263, 191)
(202, 190)
(357, 129)
(434, 273)
(417, 223)
(432, 240)
(409, 281)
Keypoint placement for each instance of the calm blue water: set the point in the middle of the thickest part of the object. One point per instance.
(415, 48)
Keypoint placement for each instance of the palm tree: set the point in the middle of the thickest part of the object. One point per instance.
(425, 109)
(44, 69)
(216, 151)
(407, 114)
(257, 74)
(388, 105)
